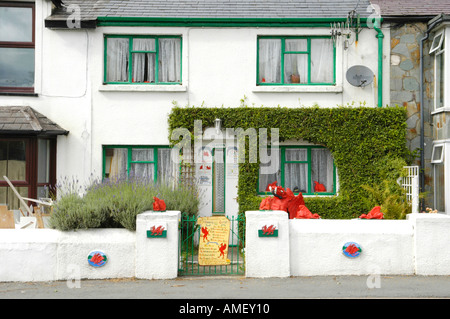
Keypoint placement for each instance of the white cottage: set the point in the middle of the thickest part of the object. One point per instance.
(107, 73)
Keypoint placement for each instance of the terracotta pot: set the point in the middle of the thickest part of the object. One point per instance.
(295, 78)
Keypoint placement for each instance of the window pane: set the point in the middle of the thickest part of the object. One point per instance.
(43, 192)
(437, 42)
(296, 177)
(295, 68)
(117, 60)
(143, 170)
(219, 182)
(269, 61)
(16, 67)
(142, 154)
(169, 60)
(143, 63)
(144, 44)
(322, 170)
(16, 24)
(322, 61)
(296, 154)
(43, 161)
(296, 45)
(13, 160)
(439, 187)
(116, 163)
(143, 68)
(3, 158)
(8, 198)
(437, 154)
(165, 166)
(439, 100)
(269, 171)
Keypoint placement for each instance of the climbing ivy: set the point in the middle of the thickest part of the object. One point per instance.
(367, 144)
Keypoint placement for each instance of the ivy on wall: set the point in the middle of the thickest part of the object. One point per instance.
(367, 144)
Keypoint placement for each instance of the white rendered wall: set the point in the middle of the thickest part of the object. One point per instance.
(157, 258)
(75, 246)
(48, 254)
(431, 244)
(267, 256)
(28, 254)
(416, 246)
(316, 247)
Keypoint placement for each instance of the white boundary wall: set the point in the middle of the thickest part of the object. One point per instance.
(48, 254)
(418, 245)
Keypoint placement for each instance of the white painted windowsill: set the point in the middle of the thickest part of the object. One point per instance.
(441, 110)
(298, 89)
(142, 88)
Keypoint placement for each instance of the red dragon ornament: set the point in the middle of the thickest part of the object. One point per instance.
(158, 205)
(375, 213)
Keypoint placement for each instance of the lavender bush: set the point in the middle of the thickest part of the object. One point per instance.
(115, 203)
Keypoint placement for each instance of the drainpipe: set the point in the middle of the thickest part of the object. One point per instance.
(380, 36)
(422, 112)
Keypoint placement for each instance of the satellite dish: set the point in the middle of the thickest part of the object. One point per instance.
(359, 75)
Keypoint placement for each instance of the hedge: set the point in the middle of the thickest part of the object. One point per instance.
(367, 144)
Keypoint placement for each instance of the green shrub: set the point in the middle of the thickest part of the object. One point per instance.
(390, 197)
(116, 203)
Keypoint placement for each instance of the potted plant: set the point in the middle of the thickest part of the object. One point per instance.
(295, 78)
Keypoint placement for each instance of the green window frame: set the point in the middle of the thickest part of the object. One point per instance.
(106, 167)
(307, 165)
(155, 52)
(286, 59)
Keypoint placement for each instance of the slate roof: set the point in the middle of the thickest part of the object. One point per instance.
(412, 7)
(90, 9)
(25, 120)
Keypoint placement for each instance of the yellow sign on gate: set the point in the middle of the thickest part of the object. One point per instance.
(214, 237)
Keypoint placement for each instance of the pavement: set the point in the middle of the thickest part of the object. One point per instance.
(225, 288)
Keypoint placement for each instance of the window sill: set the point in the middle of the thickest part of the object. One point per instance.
(18, 94)
(441, 110)
(297, 88)
(142, 88)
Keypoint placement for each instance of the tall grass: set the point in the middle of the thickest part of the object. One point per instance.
(116, 203)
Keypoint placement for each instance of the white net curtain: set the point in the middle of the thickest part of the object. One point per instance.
(146, 59)
(297, 169)
(142, 164)
(296, 62)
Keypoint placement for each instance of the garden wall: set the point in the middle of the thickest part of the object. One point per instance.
(314, 247)
(48, 254)
(300, 247)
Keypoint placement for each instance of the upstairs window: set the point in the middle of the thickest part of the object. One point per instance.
(437, 48)
(142, 59)
(296, 61)
(17, 47)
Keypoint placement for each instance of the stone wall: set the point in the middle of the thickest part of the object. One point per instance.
(405, 88)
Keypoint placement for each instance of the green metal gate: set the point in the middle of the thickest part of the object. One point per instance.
(188, 249)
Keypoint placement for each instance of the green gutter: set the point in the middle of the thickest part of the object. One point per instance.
(220, 22)
(380, 36)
